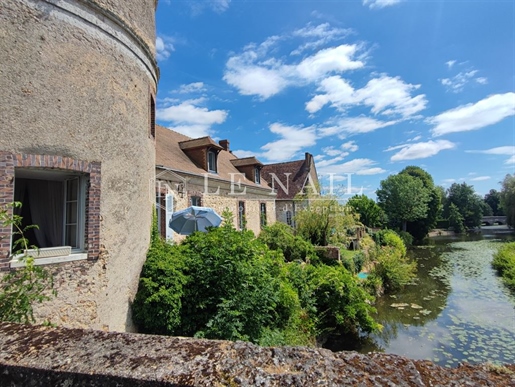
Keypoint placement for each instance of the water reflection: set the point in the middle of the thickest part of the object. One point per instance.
(457, 311)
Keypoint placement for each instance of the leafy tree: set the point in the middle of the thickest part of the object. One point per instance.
(280, 236)
(456, 220)
(370, 214)
(419, 228)
(508, 198)
(404, 199)
(468, 203)
(325, 221)
(493, 199)
(23, 287)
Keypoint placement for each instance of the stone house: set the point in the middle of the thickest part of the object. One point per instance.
(202, 172)
(77, 147)
(291, 179)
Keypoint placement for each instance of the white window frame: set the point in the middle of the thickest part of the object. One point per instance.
(63, 253)
(211, 161)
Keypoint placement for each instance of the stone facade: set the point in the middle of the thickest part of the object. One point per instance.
(79, 80)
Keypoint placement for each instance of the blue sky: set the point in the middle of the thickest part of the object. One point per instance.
(366, 86)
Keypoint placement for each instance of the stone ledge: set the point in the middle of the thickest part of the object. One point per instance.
(42, 356)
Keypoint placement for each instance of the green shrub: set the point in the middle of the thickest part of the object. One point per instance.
(359, 260)
(406, 237)
(281, 237)
(393, 268)
(341, 303)
(157, 305)
(504, 263)
(23, 287)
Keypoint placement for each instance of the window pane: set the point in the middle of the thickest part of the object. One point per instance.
(71, 235)
(71, 212)
(72, 189)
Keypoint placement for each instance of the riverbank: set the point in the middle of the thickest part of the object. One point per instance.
(488, 230)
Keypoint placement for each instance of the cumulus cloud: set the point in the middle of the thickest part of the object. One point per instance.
(360, 166)
(292, 140)
(380, 3)
(384, 95)
(191, 119)
(255, 71)
(354, 125)
(420, 150)
(164, 47)
(196, 87)
(486, 112)
(458, 82)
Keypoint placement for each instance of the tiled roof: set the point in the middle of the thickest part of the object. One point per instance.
(199, 143)
(170, 155)
(245, 161)
(298, 171)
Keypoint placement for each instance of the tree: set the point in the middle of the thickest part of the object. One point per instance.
(456, 221)
(493, 199)
(420, 228)
(507, 199)
(325, 221)
(403, 198)
(469, 204)
(370, 214)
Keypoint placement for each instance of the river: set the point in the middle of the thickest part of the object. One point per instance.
(456, 311)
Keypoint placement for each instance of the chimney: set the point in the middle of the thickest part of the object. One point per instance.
(308, 159)
(224, 144)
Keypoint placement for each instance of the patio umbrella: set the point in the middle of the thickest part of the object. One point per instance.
(193, 219)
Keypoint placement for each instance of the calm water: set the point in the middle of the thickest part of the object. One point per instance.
(458, 310)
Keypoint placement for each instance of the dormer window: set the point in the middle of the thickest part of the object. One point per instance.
(257, 175)
(211, 161)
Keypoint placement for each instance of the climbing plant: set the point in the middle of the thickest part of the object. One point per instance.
(23, 287)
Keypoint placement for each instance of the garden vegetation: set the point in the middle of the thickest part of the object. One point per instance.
(228, 284)
(504, 263)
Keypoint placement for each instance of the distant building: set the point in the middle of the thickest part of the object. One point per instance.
(202, 172)
(289, 179)
(77, 147)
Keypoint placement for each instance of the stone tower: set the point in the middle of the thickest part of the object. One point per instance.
(78, 81)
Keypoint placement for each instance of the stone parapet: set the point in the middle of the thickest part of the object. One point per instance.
(43, 356)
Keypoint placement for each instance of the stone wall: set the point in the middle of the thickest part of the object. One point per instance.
(77, 78)
(42, 356)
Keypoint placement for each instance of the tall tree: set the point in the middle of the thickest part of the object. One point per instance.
(419, 228)
(493, 199)
(403, 198)
(508, 199)
(370, 214)
(469, 204)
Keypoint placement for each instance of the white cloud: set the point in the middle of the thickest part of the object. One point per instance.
(255, 72)
(292, 140)
(189, 119)
(458, 82)
(356, 166)
(450, 63)
(380, 3)
(164, 47)
(195, 87)
(330, 60)
(500, 150)
(331, 151)
(480, 178)
(420, 150)
(508, 150)
(354, 125)
(488, 111)
(385, 95)
(321, 34)
(198, 6)
(351, 146)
